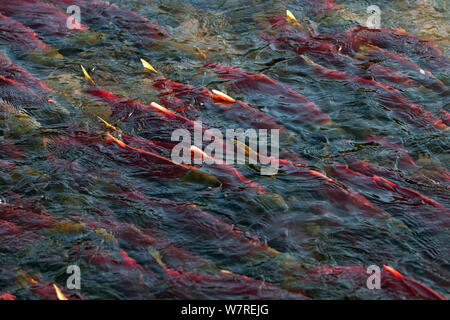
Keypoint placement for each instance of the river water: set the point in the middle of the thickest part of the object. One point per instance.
(298, 226)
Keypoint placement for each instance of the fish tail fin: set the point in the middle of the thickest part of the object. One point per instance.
(87, 76)
(108, 125)
(157, 256)
(59, 294)
(147, 66)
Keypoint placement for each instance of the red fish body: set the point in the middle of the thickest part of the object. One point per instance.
(420, 207)
(17, 73)
(190, 285)
(151, 121)
(206, 227)
(403, 64)
(396, 152)
(13, 237)
(18, 36)
(445, 116)
(420, 182)
(393, 284)
(183, 215)
(129, 278)
(402, 158)
(41, 17)
(341, 195)
(324, 52)
(101, 14)
(108, 259)
(156, 122)
(26, 219)
(19, 95)
(229, 176)
(46, 291)
(191, 101)
(398, 41)
(371, 169)
(142, 239)
(268, 92)
(7, 296)
(149, 164)
(407, 110)
(9, 149)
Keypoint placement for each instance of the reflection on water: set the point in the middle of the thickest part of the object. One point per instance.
(125, 221)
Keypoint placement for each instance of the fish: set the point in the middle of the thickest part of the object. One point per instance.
(104, 15)
(368, 168)
(368, 52)
(191, 101)
(19, 95)
(445, 116)
(16, 122)
(188, 220)
(12, 71)
(410, 112)
(396, 153)
(20, 37)
(332, 190)
(148, 164)
(420, 182)
(107, 259)
(26, 218)
(14, 237)
(7, 296)
(43, 18)
(222, 285)
(49, 291)
(330, 54)
(272, 95)
(229, 177)
(398, 40)
(152, 120)
(166, 120)
(10, 150)
(26, 283)
(401, 156)
(393, 284)
(185, 216)
(130, 279)
(128, 110)
(6, 166)
(227, 239)
(421, 209)
(138, 239)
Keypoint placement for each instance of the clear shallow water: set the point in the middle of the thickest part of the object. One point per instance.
(307, 228)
